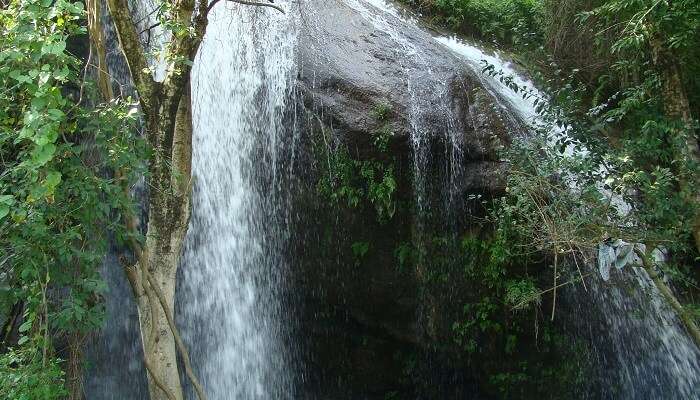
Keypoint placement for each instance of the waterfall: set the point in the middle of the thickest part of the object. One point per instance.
(232, 301)
(233, 296)
(230, 294)
(640, 346)
(642, 349)
(386, 18)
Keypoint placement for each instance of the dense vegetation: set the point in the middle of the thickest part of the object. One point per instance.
(57, 196)
(622, 161)
(621, 79)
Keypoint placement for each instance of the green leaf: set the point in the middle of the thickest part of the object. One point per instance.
(26, 326)
(56, 114)
(7, 199)
(52, 180)
(43, 154)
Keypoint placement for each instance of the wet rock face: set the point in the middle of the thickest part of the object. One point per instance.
(366, 321)
(353, 60)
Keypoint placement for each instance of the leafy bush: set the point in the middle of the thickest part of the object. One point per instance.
(505, 21)
(355, 182)
(26, 375)
(59, 192)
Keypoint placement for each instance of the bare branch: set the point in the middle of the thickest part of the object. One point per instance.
(149, 28)
(249, 3)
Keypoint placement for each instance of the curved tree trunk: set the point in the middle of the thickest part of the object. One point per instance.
(169, 211)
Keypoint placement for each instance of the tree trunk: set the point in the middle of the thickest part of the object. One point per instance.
(74, 370)
(158, 341)
(168, 126)
(169, 211)
(677, 107)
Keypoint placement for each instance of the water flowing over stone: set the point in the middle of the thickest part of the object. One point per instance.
(231, 294)
(642, 348)
(359, 54)
(258, 75)
(648, 355)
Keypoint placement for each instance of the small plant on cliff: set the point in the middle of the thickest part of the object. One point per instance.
(356, 182)
(381, 111)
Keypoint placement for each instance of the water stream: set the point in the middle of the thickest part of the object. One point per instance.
(642, 348)
(231, 292)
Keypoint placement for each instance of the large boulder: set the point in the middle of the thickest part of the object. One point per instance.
(355, 58)
(369, 317)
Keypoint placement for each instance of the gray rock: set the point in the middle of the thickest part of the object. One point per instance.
(354, 60)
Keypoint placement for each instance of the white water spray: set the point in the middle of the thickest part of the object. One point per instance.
(232, 314)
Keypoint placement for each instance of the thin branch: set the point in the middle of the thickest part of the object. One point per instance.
(132, 49)
(248, 3)
(554, 299)
(149, 28)
(538, 294)
(148, 15)
(573, 254)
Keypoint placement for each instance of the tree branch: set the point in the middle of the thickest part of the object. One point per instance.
(249, 3)
(685, 317)
(132, 49)
(156, 380)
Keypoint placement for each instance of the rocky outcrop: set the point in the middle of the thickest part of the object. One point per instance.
(354, 59)
(356, 63)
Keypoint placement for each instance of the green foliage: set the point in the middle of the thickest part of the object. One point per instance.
(381, 111)
(355, 182)
(628, 172)
(498, 328)
(405, 255)
(57, 198)
(506, 21)
(359, 250)
(569, 188)
(24, 376)
(522, 293)
(485, 264)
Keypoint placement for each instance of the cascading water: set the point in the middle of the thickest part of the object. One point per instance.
(385, 18)
(230, 295)
(640, 346)
(642, 349)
